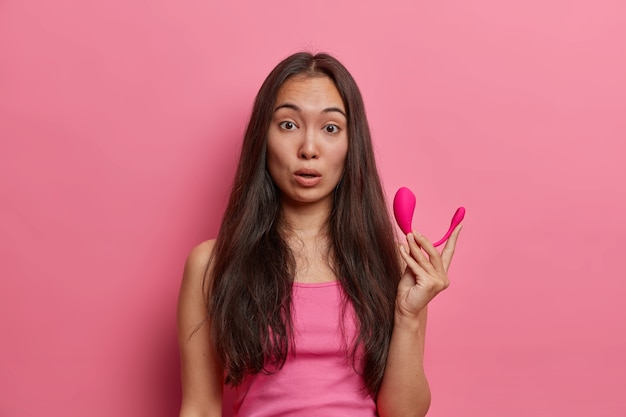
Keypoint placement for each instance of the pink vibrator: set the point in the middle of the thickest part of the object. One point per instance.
(404, 206)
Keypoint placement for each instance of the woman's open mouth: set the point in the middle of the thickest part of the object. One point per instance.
(308, 178)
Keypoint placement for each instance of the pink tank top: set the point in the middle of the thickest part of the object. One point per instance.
(319, 380)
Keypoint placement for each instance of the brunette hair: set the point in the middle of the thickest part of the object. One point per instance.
(252, 267)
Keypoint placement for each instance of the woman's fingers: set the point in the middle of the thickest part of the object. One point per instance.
(426, 283)
(448, 249)
(411, 263)
(421, 242)
(428, 268)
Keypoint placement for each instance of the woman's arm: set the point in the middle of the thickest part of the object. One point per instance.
(201, 375)
(404, 391)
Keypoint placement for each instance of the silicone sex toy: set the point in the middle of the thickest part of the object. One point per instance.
(404, 206)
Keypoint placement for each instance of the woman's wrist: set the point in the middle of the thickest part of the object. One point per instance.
(405, 321)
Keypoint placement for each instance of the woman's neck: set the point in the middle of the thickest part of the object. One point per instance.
(306, 222)
(306, 233)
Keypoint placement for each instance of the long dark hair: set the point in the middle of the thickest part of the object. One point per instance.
(252, 267)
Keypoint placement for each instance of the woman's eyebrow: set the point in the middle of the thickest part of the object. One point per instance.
(298, 109)
(335, 109)
(288, 106)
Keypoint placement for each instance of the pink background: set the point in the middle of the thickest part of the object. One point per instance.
(120, 123)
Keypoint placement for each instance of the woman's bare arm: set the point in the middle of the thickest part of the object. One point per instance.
(404, 391)
(201, 374)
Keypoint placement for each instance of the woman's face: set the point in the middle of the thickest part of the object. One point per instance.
(307, 140)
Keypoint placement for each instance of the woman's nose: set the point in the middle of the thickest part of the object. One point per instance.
(308, 148)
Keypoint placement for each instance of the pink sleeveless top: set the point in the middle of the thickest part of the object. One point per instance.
(319, 379)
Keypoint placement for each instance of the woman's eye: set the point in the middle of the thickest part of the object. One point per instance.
(287, 125)
(331, 128)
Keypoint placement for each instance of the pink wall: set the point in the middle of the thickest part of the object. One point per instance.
(119, 128)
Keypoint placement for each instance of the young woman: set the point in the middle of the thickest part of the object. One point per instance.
(305, 302)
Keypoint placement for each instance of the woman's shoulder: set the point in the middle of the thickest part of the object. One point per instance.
(197, 264)
(200, 255)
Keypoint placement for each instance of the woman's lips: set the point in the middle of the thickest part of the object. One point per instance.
(307, 177)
